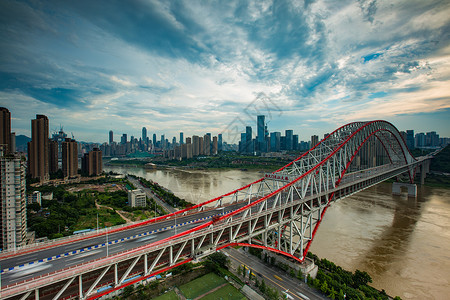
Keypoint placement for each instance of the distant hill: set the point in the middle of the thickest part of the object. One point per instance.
(21, 143)
(441, 162)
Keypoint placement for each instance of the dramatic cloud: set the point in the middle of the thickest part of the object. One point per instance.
(198, 67)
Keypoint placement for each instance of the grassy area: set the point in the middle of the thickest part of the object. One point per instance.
(226, 292)
(168, 296)
(201, 285)
(106, 217)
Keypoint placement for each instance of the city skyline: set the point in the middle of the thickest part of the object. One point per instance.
(191, 67)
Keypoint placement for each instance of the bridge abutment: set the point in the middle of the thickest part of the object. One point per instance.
(397, 188)
(308, 267)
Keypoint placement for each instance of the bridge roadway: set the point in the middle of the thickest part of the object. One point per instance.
(117, 242)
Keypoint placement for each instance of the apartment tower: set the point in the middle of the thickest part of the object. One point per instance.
(69, 158)
(38, 152)
(5, 130)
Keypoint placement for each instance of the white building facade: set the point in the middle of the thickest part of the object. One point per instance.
(13, 202)
(137, 198)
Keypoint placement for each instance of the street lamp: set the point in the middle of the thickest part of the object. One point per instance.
(107, 253)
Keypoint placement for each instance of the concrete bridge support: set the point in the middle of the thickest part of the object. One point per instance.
(424, 169)
(397, 188)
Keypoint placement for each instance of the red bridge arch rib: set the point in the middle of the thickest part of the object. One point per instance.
(333, 156)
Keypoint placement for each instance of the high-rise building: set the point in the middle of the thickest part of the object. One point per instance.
(248, 140)
(261, 131)
(13, 142)
(420, 140)
(111, 137)
(69, 158)
(123, 139)
(59, 137)
(410, 139)
(243, 142)
(5, 130)
(38, 154)
(154, 140)
(91, 163)
(181, 138)
(295, 142)
(207, 144)
(314, 140)
(275, 141)
(201, 146)
(144, 134)
(13, 216)
(195, 145)
(289, 139)
(219, 142)
(53, 156)
(214, 146)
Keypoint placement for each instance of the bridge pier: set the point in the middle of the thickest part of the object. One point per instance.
(424, 170)
(308, 267)
(397, 188)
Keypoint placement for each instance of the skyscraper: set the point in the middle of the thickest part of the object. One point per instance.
(275, 141)
(154, 140)
(111, 137)
(207, 144)
(69, 158)
(13, 216)
(195, 145)
(123, 139)
(215, 146)
(261, 130)
(91, 163)
(314, 140)
(38, 154)
(295, 142)
(248, 140)
(181, 138)
(219, 142)
(144, 134)
(5, 129)
(289, 139)
(53, 156)
(410, 139)
(243, 142)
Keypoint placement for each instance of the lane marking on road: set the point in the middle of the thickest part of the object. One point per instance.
(262, 275)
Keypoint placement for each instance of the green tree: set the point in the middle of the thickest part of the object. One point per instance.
(324, 287)
(127, 291)
(341, 295)
(262, 286)
(300, 274)
(361, 278)
(292, 273)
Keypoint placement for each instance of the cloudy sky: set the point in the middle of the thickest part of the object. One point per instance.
(212, 66)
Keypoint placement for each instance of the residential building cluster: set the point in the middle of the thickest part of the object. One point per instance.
(183, 149)
(423, 140)
(44, 154)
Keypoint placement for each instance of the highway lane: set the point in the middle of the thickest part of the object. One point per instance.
(130, 241)
(34, 270)
(295, 288)
(150, 194)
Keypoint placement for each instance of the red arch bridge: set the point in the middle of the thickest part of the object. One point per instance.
(280, 212)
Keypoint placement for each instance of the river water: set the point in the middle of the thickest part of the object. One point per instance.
(403, 243)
